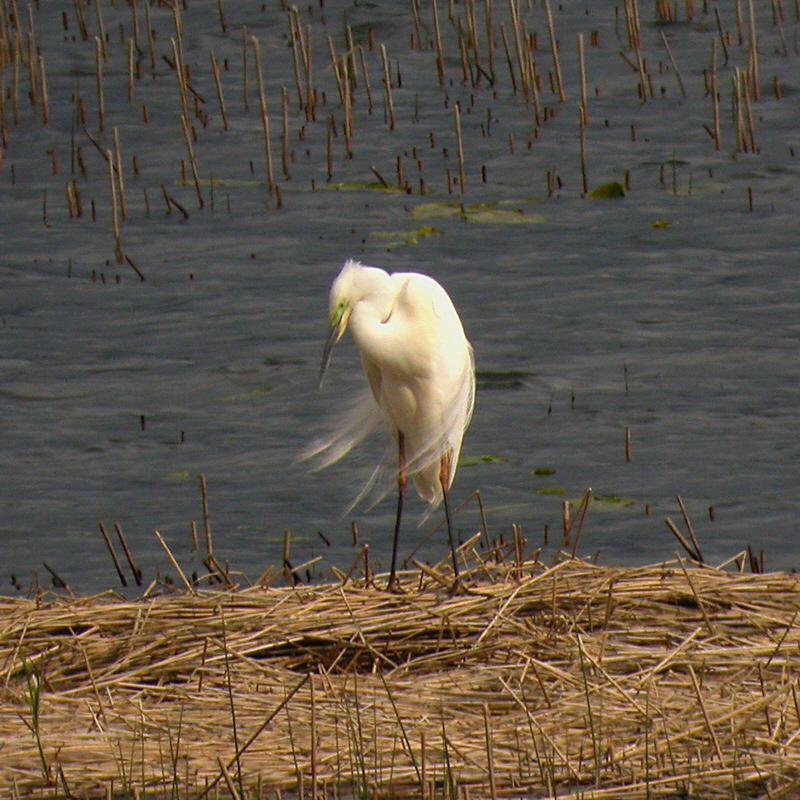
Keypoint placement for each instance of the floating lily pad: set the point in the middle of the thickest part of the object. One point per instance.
(435, 210)
(178, 475)
(661, 223)
(605, 502)
(226, 183)
(245, 396)
(358, 186)
(502, 216)
(399, 238)
(608, 191)
(540, 471)
(478, 213)
(473, 461)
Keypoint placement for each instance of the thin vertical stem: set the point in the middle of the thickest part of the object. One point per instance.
(554, 47)
(220, 95)
(438, 37)
(193, 163)
(387, 81)
(754, 72)
(264, 115)
(123, 205)
(101, 105)
(285, 142)
(582, 68)
(460, 145)
(363, 61)
(114, 213)
(715, 94)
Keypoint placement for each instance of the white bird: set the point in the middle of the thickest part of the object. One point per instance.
(421, 373)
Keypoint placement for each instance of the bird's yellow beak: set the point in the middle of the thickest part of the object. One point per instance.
(339, 320)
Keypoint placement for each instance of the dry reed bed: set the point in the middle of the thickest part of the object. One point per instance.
(571, 679)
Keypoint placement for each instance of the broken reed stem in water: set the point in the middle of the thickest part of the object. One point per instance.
(131, 70)
(582, 135)
(437, 34)
(285, 141)
(509, 60)
(335, 69)
(101, 106)
(123, 205)
(753, 71)
(715, 94)
(245, 88)
(101, 30)
(137, 573)
(181, 78)
(43, 90)
(112, 552)
(582, 71)
(293, 36)
(262, 97)
(347, 123)
(329, 148)
(554, 46)
(387, 82)
(192, 161)
(206, 517)
(174, 563)
(460, 146)
(674, 65)
(114, 212)
(364, 72)
(518, 45)
(220, 95)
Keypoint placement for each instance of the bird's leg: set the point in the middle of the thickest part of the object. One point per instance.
(402, 479)
(444, 479)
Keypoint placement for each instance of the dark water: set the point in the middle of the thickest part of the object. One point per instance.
(672, 311)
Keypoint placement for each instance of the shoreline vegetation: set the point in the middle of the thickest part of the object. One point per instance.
(563, 679)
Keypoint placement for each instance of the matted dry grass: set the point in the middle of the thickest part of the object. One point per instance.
(567, 679)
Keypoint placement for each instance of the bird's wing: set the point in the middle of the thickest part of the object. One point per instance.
(447, 439)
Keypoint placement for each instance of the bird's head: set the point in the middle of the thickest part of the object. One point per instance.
(354, 284)
(340, 306)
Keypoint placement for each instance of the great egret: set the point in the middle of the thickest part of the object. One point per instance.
(421, 373)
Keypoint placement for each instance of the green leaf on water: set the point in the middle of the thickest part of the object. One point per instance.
(435, 210)
(225, 183)
(178, 475)
(358, 186)
(543, 471)
(608, 191)
(605, 502)
(399, 238)
(477, 213)
(661, 223)
(557, 491)
(246, 396)
(473, 461)
(503, 216)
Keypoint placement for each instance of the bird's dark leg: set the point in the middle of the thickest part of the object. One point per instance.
(401, 489)
(444, 479)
